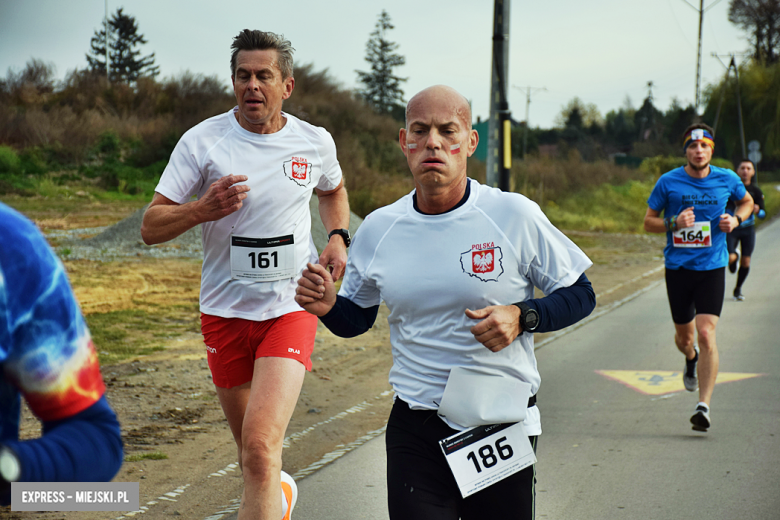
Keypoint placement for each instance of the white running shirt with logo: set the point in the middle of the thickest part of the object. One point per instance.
(429, 269)
(283, 168)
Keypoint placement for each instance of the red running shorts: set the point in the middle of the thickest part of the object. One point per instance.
(233, 344)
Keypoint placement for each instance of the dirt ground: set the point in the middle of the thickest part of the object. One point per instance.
(167, 406)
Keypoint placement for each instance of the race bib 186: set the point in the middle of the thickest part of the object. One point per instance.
(482, 456)
(262, 259)
(697, 236)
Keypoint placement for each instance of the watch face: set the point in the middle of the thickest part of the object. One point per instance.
(531, 319)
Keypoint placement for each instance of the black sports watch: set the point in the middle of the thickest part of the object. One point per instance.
(739, 219)
(529, 318)
(10, 467)
(344, 234)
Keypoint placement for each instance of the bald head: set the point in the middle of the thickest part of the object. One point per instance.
(440, 96)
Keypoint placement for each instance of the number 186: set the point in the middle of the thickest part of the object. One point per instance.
(488, 456)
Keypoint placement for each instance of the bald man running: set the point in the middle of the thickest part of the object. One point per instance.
(456, 262)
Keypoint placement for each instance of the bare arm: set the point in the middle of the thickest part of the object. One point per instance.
(744, 209)
(655, 224)
(165, 219)
(316, 291)
(334, 212)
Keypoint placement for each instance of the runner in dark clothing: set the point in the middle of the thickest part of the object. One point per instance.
(745, 234)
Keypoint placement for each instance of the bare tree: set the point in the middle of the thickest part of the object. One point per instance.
(761, 19)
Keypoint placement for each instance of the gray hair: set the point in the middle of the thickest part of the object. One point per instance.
(259, 41)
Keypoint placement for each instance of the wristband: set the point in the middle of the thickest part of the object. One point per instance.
(670, 223)
(739, 219)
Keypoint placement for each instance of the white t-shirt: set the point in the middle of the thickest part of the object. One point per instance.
(429, 269)
(283, 168)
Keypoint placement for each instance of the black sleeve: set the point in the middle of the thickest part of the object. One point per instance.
(758, 197)
(566, 306)
(347, 319)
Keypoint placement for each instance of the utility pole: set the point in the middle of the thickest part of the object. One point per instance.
(701, 10)
(739, 108)
(698, 57)
(499, 158)
(108, 63)
(527, 91)
(732, 65)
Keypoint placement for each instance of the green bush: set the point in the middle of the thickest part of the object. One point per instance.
(34, 161)
(9, 160)
(15, 184)
(109, 146)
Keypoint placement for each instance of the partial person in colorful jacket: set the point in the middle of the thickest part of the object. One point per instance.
(47, 357)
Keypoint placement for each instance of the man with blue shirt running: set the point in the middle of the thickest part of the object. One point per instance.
(693, 200)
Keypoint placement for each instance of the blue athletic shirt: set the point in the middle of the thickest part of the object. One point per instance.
(676, 191)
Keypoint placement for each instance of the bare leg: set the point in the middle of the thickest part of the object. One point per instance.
(683, 338)
(709, 360)
(233, 402)
(276, 385)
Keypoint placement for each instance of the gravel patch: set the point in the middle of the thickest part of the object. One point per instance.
(123, 239)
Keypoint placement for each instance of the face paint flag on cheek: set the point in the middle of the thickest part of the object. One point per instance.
(412, 147)
(455, 148)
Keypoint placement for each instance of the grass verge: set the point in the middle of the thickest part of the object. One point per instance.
(155, 455)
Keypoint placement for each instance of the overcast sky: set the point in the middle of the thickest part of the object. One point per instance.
(598, 50)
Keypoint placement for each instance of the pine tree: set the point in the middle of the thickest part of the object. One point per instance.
(382, 89)
(126, 64)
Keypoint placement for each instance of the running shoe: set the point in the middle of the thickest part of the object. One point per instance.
(701, 419)
(733, 265)
(738, 296)
(690, 380)
(290, 491)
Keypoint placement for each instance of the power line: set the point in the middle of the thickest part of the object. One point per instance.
(527, 91)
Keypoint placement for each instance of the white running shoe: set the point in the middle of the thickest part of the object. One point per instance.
(701, 419)
(290, 491)
(690, 380)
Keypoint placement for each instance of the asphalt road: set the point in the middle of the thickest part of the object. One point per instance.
(617, 442)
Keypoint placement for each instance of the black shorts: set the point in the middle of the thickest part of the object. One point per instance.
(695, 292)
(420, 485)
(746, 236)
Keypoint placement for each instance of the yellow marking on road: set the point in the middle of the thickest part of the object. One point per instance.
(659, 382)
